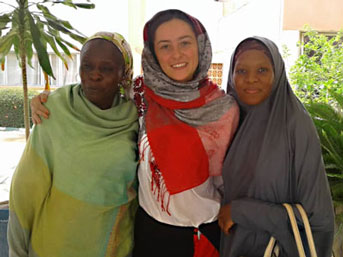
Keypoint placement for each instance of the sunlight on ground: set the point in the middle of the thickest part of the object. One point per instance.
(12, 143)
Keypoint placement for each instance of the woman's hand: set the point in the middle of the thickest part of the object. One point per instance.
(38, 110)
(224, 218)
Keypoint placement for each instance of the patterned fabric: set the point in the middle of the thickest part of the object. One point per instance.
(73, 192)
(187, 123)
(125, 49)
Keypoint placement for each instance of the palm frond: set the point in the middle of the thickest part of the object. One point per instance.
(328, 119)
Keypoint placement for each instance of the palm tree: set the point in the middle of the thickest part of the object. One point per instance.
(30, 24)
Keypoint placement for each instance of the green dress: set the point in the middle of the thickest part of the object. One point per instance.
(73, 192)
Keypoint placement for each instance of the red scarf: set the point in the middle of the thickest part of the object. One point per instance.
(176, 146)
(183, 156)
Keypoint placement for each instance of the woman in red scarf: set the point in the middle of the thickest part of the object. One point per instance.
(186, 126)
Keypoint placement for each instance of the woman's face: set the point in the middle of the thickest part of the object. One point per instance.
(253, 77)
(176, 49)
(101, 69)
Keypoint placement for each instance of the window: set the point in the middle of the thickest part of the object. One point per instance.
(304, 39)
(13, 71)
(3, 74)
(34, 72)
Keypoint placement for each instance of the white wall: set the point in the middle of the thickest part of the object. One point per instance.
(255, 18)
(244, 18)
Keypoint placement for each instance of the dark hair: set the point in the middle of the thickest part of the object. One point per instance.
(167, 15)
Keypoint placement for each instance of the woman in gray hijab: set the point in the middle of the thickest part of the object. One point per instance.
(275, 158)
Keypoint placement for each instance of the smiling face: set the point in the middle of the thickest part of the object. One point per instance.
(253, 77)
(176, 49)
(101, 70)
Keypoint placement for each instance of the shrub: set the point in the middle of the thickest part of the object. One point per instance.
(320, 68)
(12, 106)
(318, 80)
(317, 76)
(328, 119)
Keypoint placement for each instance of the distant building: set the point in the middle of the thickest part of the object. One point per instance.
(227, 23)
(11, 76)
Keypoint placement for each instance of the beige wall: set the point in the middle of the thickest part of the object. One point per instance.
(321, 15)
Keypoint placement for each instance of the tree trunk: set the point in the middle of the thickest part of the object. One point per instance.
(26, 99)
(23, 6)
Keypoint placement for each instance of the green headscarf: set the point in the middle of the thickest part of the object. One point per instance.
(123, 46)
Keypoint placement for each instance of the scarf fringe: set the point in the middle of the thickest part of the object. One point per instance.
(142, 152)
(158, 186)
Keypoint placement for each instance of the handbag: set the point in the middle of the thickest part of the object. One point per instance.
(273, 250)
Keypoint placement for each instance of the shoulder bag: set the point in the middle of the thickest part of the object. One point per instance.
(273, 250)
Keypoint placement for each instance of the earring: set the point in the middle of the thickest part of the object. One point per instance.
(122, 91)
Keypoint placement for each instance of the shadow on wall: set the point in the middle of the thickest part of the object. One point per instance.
(3, 229)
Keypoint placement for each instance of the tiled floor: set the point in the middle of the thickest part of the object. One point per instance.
(12, 143)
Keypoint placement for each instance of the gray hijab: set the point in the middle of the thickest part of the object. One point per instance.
(274, 158)
(163, 86)
(157, 80)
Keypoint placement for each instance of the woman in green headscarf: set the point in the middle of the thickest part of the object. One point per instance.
(71, 194)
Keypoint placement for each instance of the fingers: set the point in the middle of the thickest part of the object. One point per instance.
(224, 218)
(41, 113)
(224, 225)
(38, 110)
(226, 230)
(35, 119)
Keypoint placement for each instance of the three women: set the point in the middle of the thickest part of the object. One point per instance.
(186, 124)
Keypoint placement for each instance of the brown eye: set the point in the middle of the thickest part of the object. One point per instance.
(86, 67)
(262, 70)
(106, 69)
(185, 43)
(164, 47)
(240, 71)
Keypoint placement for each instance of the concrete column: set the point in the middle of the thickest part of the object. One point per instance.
(136, 19)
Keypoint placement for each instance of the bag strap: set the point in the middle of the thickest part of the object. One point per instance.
(272, 247)
(295, 229)
(307, 230)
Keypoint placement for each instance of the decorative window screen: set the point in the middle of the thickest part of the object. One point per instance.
(215, 73)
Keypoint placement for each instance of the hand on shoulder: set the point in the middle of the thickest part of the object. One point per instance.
(38, 110)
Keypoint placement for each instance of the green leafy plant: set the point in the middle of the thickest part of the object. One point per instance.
(328, 119)
(29, 26)
(319, 69)
(317, 77)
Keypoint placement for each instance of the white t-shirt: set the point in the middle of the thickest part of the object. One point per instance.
(189, 208)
